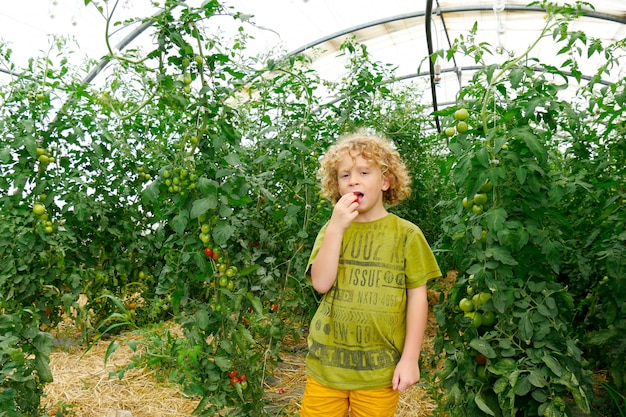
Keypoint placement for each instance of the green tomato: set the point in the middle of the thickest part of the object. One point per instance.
(450, 131)
(476, 318)
(462, 127)
(476, 300)
(204, 237)
(223, 281)
(466, 305)
(39, 209)
(230, 284)
(477, 209)
(480, 199)
(467, 203)
(489, 318)
(484, 297)
(461, 114)
(486, 187)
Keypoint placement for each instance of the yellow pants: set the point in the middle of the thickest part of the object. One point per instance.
(321, 401)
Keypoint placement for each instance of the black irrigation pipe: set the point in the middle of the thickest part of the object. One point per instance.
(431, 64)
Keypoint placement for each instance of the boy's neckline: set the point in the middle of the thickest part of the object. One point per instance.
(387, 214)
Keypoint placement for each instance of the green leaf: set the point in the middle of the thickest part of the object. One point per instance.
(515, 76)
(482, 346)
(553, 364)
(31, 146)
(110, 350)
(496, 219)
(526, 328)
(43, 368)
(503, 367)
(522, 386)
(551, 410)
(483, 405)
(521, 173)
(580, 397)
(207, 186)
(232, 159)
(536, 378)
(202, 206)
(500, 385)
(532, 142)
(545, 311)
(202, 319)
(256, 303)
(179, 222)
(5, 156)
(222, 232)
(483, 157)
(500, 254)
(224, 363)
(151, 192)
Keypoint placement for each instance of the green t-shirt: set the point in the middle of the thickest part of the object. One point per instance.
(357, 334)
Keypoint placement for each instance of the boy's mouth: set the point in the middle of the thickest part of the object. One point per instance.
(359, 196)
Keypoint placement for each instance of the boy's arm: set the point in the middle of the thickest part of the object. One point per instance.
(324, 267)
(407, 370)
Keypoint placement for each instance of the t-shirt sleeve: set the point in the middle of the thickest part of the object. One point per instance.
(421, 264)
(314, 252)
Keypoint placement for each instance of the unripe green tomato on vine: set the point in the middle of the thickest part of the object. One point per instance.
(461, 114)
(486, 187)
(466, 305)
(480, 199)
(39, 209)
(489, 318)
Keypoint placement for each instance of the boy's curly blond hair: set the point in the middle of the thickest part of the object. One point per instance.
(377, 149)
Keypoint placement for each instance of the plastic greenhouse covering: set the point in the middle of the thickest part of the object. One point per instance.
(394, 31)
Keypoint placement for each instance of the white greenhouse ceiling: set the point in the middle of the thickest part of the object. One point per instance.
(394, 31)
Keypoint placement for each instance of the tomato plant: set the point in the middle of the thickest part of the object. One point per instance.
(512, 246)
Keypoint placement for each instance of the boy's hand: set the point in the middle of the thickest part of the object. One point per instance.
(345, 211)
(406, 374)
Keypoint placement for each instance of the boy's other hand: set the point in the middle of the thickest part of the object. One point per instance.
(406, 374)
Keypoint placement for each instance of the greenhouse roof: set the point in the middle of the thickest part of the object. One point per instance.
(394, 31)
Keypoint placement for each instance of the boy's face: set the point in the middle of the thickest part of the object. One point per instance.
(363, 178)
